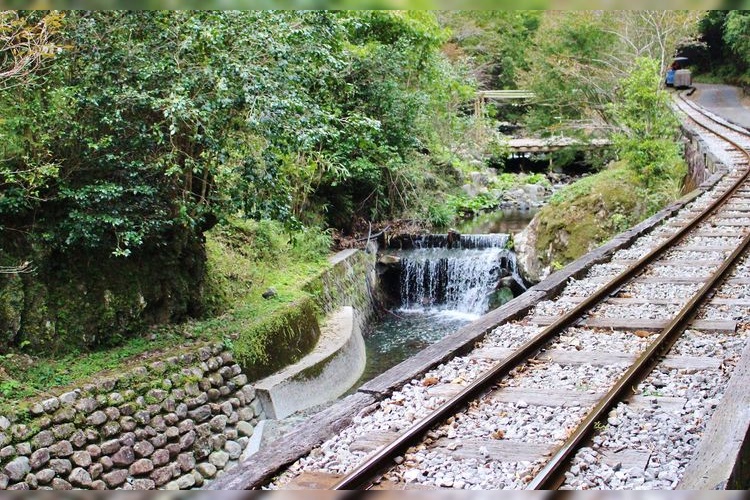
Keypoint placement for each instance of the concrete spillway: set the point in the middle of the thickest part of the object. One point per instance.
(454, 274)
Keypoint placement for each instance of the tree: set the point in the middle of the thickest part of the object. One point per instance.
(159, 123)
(496, 42)
(737, 33)
(647, 136)
(581, 57)
(27, 41)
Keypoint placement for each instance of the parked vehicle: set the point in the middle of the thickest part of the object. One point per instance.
(678, 76)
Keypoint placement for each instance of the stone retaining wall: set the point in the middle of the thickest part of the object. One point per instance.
(173, 424)
(702, 163)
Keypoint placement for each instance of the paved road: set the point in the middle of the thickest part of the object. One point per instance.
(724, 100)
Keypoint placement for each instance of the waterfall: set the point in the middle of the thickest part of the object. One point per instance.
(451, 273)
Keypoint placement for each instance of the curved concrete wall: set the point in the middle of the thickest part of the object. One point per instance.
(335, 364)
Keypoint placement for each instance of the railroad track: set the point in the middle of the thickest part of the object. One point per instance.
(520, 408)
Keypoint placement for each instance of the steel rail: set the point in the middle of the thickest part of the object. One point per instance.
(363, 475)
(551, 474)
(726, 124)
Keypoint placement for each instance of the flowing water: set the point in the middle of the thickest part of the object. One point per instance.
(445, 283)
(456, 277)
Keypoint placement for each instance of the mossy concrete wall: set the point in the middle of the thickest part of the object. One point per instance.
(85, 299)
(351, 281)
(346, 296)
(702, 163)
(335, 364)
(292, 332)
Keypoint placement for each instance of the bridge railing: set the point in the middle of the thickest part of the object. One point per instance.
(483, 95)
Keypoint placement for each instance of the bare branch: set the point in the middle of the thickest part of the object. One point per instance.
(25, 46)
(24, 268)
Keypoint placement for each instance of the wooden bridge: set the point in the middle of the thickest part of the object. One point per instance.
(524, 145)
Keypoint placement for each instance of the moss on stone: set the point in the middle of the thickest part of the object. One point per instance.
(80, 300)
(278, 340)
(587, 213)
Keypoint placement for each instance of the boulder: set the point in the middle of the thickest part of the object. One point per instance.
(143, 449)
(115, 478)
(61, 484)
(245, 428)
(124, 457)
(81, 458)
(207, 470)
(161, 475)
(186, 461)
(143, 484)
(141, 467)
(43, 439)
(39, 458)
(45, 476)
(201, 413)
(185, 482)
(61, 466)
(234, 449)
(97, 418)
(98, 485)
(110, 447)
(219, 459)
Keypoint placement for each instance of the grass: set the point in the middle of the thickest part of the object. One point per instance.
(244, 259)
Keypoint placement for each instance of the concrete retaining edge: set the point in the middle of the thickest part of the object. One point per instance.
(334, 365)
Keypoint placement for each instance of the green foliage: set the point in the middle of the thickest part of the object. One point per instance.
(497, 42)
(263, 114)
(567, 69)
(505, 181)
(648, 141)
(587, 212)
(244, 256)
(463, 205)
(723, 55)
(580, 58)
(537, 178)
(578, 189)
(148, 128)
(9, 388)
(407, 97)
(440, 215)
(737, 33)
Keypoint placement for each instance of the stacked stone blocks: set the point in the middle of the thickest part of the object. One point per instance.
(173, 424)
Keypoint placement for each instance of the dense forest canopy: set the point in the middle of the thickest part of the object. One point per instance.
(147, 121)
